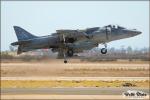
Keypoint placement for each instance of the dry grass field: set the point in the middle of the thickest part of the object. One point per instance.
(65, 83)
(75, 68)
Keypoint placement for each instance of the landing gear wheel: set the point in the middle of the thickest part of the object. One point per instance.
(65, 61)
(103, 50)
(70, 53)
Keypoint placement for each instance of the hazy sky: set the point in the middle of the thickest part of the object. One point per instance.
(44, 17)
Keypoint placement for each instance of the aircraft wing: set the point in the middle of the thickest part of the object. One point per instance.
(76, 34)
(23, 42)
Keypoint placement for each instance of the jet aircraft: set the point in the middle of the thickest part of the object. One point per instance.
(67, 42)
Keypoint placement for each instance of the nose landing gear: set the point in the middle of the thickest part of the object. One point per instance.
(104, 50)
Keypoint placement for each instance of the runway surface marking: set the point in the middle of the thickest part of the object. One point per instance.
(78, 78)
(66, 97)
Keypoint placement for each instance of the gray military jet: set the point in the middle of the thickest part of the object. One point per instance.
(68, 42)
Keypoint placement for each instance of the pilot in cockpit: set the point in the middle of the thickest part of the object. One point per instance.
(115, 27)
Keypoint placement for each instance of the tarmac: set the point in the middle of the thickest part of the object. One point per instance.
(68, 93)
(72, 91)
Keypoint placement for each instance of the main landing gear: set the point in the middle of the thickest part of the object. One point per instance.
(69, 53)
(66, 51)
(104, 50)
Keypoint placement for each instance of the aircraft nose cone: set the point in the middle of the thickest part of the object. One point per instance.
(135, 32)
(138, 32)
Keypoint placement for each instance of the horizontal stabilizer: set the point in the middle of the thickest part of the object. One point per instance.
(20, 43)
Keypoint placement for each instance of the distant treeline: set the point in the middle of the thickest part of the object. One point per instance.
(91, 55)
(115, 54)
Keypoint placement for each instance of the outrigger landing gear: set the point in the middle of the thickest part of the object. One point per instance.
(65, 58)
(104, 50)
(64, 49)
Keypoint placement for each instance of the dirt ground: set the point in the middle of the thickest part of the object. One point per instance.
(75, 68)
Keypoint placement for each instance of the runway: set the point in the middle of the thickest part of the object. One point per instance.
(71, 91)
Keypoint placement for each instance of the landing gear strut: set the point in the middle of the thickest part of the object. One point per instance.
(65, 59)
(64, 49)
(70, 53)
(104, 50)
(67, 52)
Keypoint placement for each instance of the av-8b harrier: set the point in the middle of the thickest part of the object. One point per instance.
(68, 42)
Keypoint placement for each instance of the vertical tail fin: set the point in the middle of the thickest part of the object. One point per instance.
(23, 34)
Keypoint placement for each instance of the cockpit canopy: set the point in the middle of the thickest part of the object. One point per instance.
(115, 27)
